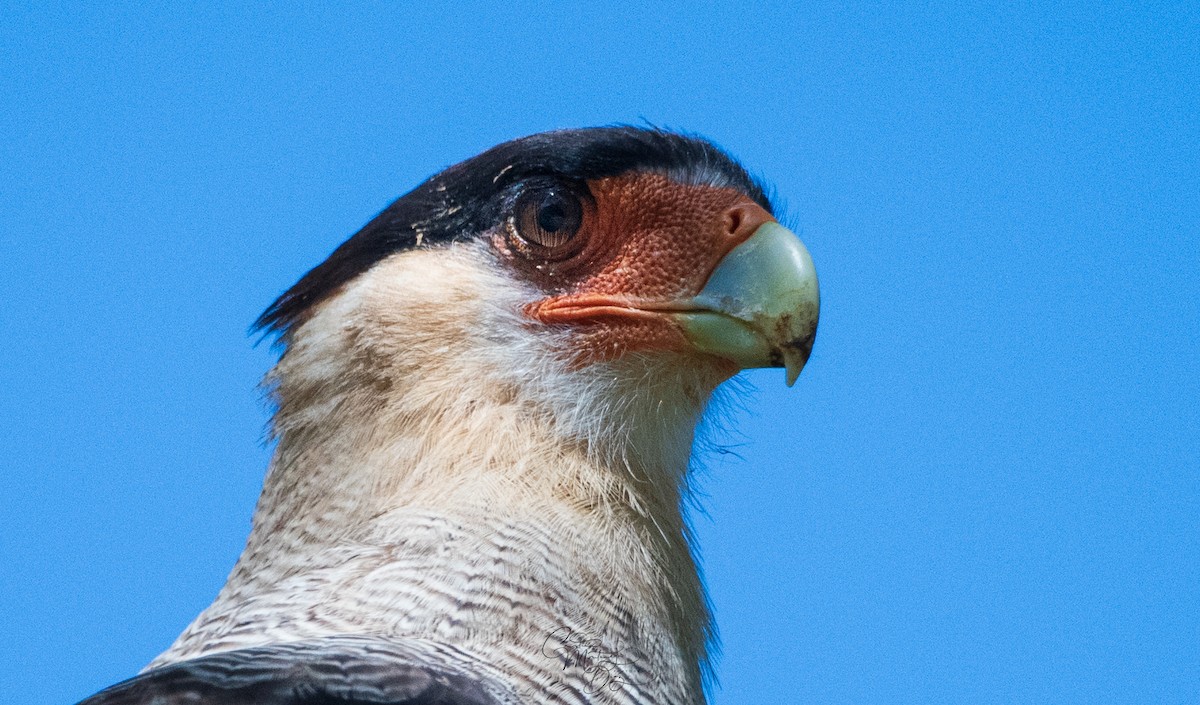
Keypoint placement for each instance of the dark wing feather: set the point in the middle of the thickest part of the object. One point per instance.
(324, 672)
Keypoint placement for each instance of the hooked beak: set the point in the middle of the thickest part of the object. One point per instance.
(760, 305)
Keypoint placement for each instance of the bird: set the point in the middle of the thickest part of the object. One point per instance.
(485, 405)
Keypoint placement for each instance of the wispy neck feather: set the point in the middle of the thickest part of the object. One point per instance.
(420, 388)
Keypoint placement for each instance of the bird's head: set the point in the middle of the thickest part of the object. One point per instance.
(487, 400)
(609, 257)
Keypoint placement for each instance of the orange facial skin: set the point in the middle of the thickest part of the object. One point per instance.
(646, 245)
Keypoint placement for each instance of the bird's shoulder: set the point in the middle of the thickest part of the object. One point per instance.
(359, 671)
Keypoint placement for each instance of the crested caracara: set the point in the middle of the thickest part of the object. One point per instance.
(485, 408)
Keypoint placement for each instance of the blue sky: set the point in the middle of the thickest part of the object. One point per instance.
(985, 488)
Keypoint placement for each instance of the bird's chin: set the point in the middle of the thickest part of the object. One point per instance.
(615, 334)
(710, 344)
(646, 345)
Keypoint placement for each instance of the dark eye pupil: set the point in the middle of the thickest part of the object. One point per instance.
(548, 217)
(551, 215)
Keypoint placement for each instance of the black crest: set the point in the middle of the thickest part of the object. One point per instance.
(472, 197)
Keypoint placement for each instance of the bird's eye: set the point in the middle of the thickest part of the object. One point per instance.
(548, 217)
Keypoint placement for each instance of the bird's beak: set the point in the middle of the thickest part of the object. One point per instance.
(760, 305)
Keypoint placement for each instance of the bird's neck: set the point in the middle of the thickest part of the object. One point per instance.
(466, 438)
(414, 470)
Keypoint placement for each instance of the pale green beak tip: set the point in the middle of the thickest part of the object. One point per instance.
(760, 305)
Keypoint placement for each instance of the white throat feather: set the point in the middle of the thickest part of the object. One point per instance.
(421, 389)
